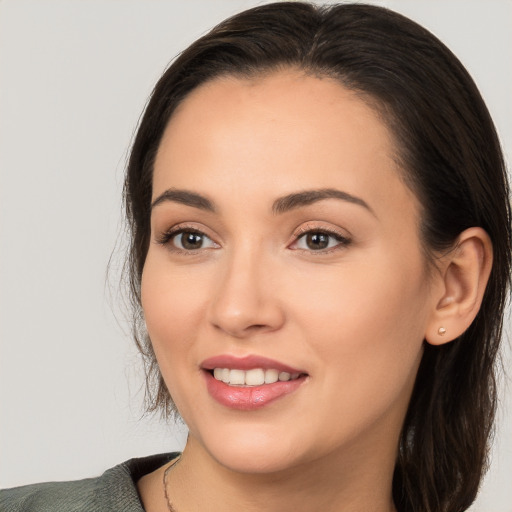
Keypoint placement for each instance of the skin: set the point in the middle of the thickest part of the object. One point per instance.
(354, 316)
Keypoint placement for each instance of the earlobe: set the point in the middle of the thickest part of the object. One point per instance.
(464, 275)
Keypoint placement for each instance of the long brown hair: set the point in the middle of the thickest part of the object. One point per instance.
(450, 157)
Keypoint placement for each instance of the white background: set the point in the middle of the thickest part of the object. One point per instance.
(74, 77)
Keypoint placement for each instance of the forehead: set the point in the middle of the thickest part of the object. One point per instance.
(274, 134)
(270, 107)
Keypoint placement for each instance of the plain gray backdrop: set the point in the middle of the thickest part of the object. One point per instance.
(74, 77)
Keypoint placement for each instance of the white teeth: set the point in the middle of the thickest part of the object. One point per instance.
(254, 377)
(237, 377)
(271, 376)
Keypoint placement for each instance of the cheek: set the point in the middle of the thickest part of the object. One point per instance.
(384, 295)
(367, 326)
(174, 305)
(174, 302)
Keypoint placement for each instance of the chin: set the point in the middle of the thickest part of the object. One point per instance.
(253, 451)
(254, 461)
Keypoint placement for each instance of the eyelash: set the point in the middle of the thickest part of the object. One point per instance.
(167, 237)
(343, 241)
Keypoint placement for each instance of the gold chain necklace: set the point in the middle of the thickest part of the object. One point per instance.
(169, 504)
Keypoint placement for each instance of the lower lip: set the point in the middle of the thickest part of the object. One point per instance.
(248, 398)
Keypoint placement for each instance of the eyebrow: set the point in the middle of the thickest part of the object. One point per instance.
(307, 197)
(185, 197)
(280, 205)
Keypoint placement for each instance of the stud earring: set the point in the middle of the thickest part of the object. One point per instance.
(441, 331)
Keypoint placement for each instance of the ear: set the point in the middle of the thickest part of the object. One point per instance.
(463, 277)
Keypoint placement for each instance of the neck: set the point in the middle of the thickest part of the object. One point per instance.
(198, 482)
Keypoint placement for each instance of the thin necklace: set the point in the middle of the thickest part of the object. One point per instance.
(169, 504)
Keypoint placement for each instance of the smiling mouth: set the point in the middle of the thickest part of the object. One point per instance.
(251, 382)
(252, 377)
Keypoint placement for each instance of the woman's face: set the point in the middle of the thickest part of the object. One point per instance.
(284, 245)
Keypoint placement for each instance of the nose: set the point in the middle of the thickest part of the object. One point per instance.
(246, 301)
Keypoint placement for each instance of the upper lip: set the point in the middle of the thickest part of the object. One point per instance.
(249, 362)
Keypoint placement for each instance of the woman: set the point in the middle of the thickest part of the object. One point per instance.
(319, 265)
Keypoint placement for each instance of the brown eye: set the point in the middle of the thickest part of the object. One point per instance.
(317, 241)
(191, 241)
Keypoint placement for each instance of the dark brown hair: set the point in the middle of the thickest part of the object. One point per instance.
(450, 156)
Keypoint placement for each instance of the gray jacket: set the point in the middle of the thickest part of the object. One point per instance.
(113, 491)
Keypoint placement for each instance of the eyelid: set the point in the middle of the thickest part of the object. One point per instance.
(343, 237)
(165, 237)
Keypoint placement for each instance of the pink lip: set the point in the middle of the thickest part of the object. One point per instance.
(246, 363)
(247, 398)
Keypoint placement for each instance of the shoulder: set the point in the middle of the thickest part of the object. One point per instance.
(55, 496)
(115, 490)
